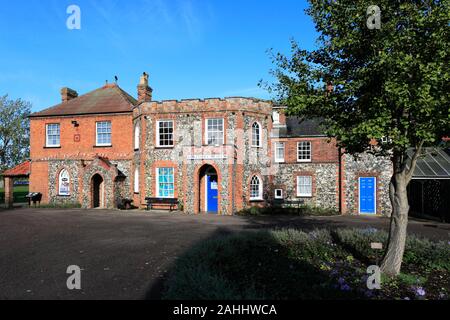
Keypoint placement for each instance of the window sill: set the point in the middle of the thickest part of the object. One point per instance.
(103, 146)
(280, 162)
(52, 147)
(256, 200)
(304, 161)
(304, 196)
(164, 147)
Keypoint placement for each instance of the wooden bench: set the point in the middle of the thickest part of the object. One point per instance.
(283, 203)
(169, 202)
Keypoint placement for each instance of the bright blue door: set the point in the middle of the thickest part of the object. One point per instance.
(367, 195)
(212, 193)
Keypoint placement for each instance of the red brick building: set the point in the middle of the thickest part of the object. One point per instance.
(213, 155)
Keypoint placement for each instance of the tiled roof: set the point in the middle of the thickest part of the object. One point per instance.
(19, 171)
(295, 127)
(108, 99)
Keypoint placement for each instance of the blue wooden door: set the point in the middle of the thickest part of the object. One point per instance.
(367, 195)
(212, 193)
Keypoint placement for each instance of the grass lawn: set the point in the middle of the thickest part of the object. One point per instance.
(291, 264)
(19, 194)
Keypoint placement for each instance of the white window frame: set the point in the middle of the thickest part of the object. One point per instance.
(60, 177)
(277, 196)
(260, 189)
(157, 183)
(136, 180)
(158, 134)
(277, 159)
(96, 134)
(306, 195)
(276, 117)
(47, 142)
(207, 131)
(258, 141)
(310, 151)
(137, 137)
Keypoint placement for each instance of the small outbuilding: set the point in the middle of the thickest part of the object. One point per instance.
(429, 191)
(19, 172)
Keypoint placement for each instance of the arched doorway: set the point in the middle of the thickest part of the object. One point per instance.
(209, 190)
(97, 193)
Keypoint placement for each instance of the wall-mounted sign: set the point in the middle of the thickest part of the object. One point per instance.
(207, 157)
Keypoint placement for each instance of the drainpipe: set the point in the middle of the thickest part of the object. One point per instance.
(340, 180)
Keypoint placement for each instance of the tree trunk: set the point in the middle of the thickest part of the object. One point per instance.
(393, 258)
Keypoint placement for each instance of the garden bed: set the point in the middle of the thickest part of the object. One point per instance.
(290, 264)
(302, 210)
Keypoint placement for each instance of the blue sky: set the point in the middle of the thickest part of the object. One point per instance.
(190, 48)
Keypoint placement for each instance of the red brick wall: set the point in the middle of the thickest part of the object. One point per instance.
(122, 144)
(323, 151)
(39, 179)
(122, 137)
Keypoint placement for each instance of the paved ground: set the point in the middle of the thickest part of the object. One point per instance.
(124, 255)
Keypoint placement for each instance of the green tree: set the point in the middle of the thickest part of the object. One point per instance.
(14, 132)
(368, 83)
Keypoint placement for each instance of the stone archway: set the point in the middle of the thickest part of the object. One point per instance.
(104, 190)
(208, 190)
(98, 191)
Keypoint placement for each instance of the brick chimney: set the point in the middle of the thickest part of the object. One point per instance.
(68, 94)
(144, 91)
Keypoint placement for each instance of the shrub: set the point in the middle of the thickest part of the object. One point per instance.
(66, 205)
(420, 253)
(304, 210)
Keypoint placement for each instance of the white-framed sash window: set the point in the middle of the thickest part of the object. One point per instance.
(304, 151)
(304, 186)
(279, 152)
(215, 135)
(53, 135)
(103, 133)
(165, 129)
